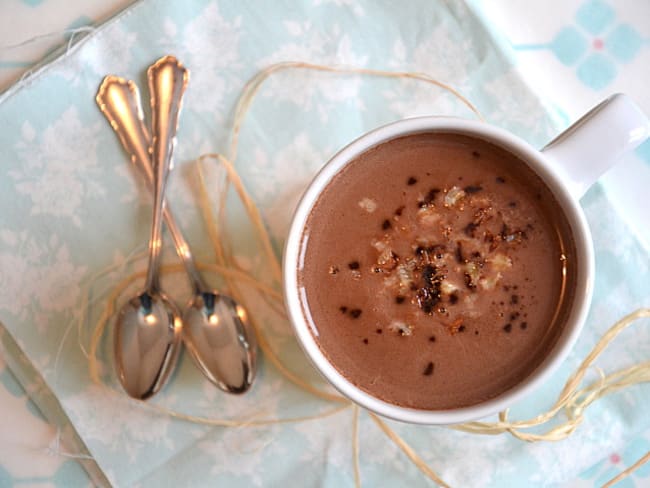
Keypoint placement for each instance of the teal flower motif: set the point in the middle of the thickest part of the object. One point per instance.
(608, 468)
(596, 71)
(569, 45)
(595, 16)
(623, 43)
(596, 44)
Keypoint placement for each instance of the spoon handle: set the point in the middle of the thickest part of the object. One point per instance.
(119, 101)
(167, 83)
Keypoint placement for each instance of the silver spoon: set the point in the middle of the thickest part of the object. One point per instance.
(216, 329)
(148, 329)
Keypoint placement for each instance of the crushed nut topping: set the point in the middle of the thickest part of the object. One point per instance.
(453, 196)
(368, 204)
(453, 255)
(401, 328)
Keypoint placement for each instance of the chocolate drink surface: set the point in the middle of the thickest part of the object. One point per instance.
(437, 271)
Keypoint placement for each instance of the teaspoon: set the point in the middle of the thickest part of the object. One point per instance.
(216, 329)
(148, 329)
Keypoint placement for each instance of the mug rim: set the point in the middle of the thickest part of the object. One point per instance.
(539, 164)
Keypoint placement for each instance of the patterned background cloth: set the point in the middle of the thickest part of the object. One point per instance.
(533, 70)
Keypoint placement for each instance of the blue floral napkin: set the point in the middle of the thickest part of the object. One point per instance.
(72, 208)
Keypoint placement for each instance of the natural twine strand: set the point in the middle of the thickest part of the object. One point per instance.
(625, 473)
(408, 450)
(573, 401)
(355, 446)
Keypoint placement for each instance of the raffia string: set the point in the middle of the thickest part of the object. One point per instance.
(572, 401)
(355, 445)
(254, 84)
(625, 473)
(408, 450)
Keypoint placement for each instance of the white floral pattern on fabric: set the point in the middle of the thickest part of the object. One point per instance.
(210, 83)
(47, 264)
(312, 91)
(74, 209)
(119, 54)
(60, 168)
(251, 446)
(282, 177)
(127, 429)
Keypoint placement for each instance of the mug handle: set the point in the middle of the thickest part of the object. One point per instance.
(595, 143)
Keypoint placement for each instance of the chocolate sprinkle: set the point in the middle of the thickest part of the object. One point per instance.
(431, 196)
(453, 298)
(399, 211)
(507, 327)
(438, 249)
(385, 224)
(473, 189)
(476, 154)
(428, 273)
(379, 331)
(429, 294)
(468, 282)
(399, 299)
(514, 299)
(500, 179)
(489, 237)
(504, 232)
(512, 204)
(459, 252)
(412, 181)
(343, 309)
(432, 339)
(461, 328)
(428, 371)
(353, 265)
(470, 229)
(523, 325)
(476, 332)
(365, 341)
(355, 313)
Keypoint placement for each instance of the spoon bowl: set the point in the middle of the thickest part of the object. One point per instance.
(147, 335)
(217, 333)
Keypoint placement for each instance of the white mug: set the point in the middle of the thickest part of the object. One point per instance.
(568, 165)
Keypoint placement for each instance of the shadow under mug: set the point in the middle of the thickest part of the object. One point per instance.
(568, 165)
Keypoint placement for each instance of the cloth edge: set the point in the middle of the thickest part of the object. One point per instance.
(22, 368)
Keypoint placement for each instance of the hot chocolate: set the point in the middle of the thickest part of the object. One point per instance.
(437, 271)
